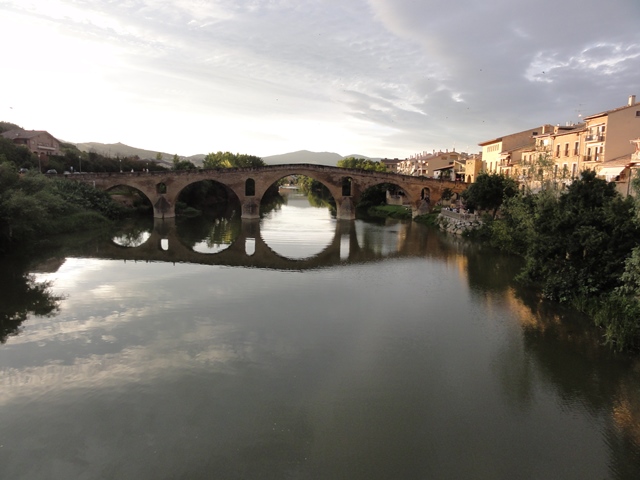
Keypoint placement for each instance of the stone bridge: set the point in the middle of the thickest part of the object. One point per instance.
(250, 184)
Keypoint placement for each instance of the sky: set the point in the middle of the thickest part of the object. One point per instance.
(381, 78)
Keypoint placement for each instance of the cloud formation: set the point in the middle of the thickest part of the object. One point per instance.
(376, 77)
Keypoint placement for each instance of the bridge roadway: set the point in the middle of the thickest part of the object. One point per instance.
(165, 245)
(250, 184)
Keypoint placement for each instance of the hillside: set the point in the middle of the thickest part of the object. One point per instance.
(301, 156)
(304, 156)
(122, 150)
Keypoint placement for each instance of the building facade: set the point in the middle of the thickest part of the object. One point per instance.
(39, 142)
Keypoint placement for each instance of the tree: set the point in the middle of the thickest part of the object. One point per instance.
(231, 160)
(179, 164)
(581, 240)
(489, 192)
(362, 164)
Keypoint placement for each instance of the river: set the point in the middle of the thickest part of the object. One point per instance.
(299, 347)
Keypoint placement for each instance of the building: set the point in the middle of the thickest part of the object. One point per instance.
(472, 168)
(603, 143)
(39, 142)
(499, 155)
(428, 164)
(391, 164)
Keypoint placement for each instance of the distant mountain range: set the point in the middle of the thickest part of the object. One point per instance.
(302, 156)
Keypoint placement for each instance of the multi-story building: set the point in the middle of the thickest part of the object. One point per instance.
(501, 154)
(604, 143)
(391, 164)
(608, 134)
(39, 142)
(428, 164)
(472, 168)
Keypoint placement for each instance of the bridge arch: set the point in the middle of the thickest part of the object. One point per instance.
(235, 179)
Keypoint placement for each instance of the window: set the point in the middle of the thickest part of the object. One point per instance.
(574, 170)
(576, 148)
(557, 150)
(566, 149)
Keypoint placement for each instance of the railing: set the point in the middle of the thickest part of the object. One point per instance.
(594, 138)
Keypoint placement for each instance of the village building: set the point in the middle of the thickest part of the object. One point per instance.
(39, 142)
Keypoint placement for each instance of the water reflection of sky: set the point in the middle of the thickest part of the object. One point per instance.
(394, 369)
(297, 231)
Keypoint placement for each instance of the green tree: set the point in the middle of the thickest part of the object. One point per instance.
(181, 164)
(581, 240)
(489, 192)
(362, 164)
(230, 160)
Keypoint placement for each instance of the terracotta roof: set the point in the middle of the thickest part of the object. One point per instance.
(607, 112)
(621, 161)
(26, 134)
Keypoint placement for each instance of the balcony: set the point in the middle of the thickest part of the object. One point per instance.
(594, 138)
(598, 157)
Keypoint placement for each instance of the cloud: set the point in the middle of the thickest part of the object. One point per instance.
(377, 77)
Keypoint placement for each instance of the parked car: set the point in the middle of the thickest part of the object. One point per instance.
(52, 171)
(23, 170)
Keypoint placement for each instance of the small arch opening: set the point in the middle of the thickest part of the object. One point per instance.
(346, 186)
(161, 188)
(250, 187)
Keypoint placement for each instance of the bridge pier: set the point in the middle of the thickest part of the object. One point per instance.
(422, 208)
(345, 209)
(163, 208)
(250, 208)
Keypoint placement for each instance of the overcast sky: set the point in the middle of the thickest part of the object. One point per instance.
(382, 78)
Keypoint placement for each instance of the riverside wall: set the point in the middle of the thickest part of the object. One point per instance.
(457, 223)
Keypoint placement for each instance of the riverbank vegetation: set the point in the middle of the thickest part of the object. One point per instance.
(33, 206)
(581, 247)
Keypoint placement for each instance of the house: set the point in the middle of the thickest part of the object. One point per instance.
(391, 164)
(608, 134)
(472, 168)
(39, 142)
(603, 143)
(499, 155)
(427, 164)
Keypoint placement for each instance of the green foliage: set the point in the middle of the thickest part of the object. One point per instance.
(6, 126)
(362, 164)
(232, 160)
(33, 206)
(489, 192)
(581, 240)
(390, 211)
(514, 229)
(374, 196)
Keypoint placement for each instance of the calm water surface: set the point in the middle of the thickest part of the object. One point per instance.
(336, 350)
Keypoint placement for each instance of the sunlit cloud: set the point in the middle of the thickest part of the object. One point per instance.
(376, 77)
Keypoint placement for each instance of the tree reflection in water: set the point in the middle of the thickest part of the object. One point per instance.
(23, 296)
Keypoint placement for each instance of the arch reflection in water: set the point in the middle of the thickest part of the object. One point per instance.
(132, 235)
(296, 230)
(348, 241)
(250, 246)
(209, 235)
